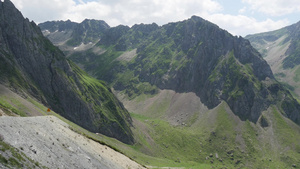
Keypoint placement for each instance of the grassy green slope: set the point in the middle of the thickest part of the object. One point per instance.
(220, 139)
(110, 107)
(216, 138)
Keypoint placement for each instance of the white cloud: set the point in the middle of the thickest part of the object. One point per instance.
(114, 12)
(274, 7)
(43, 10)
(91, 10)
(129, 12)
(243, 10)
(244, 25)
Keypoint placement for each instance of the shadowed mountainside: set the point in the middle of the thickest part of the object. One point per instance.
(30, 64)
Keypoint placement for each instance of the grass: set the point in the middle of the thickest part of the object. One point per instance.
(158, 108)
(108, 110)
(14, 158)
(9, 108)
(296, 77)
(160, 144)
(189, 146)
(41, 108)
(186, 146)
(3, 160)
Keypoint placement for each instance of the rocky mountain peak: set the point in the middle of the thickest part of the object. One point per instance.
(197, 56)
(145, 28)
(102, 25)
(193, 55)
(59, 26)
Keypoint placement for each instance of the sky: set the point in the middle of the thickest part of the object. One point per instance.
(239, 17)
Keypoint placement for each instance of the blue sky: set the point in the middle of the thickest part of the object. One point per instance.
(239, 17)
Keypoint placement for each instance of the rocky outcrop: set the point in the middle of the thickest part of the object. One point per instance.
(41, 69)
(88, 31)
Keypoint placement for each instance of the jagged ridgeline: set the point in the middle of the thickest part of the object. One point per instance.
(30, 63)
(189, 56)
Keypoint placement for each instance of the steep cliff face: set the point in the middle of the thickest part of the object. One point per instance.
(197, 56)
(31, 63)
(216, 66)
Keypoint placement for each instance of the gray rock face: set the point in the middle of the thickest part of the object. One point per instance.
(88, 31)
(217, 67)
(53, 80)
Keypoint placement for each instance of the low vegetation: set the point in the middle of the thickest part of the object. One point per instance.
(11, 157)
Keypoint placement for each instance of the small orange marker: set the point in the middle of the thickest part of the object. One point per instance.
(48, 110)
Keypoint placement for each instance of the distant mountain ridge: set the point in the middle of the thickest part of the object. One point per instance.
(88, 31)
(281, 50)
(291, 35)
(31, 64)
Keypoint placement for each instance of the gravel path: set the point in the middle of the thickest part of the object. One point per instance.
(48, 140)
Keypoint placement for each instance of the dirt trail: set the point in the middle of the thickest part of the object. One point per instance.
(48, 140)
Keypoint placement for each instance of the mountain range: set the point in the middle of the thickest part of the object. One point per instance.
(190, 79)
(185, 94)
(189, 56)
